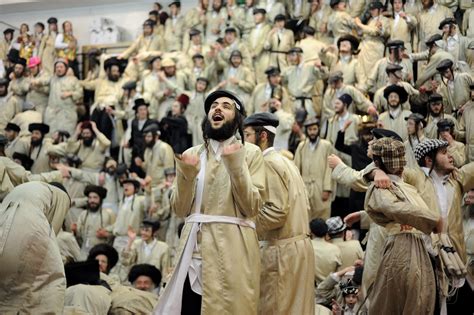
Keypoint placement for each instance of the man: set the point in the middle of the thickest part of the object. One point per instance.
(435, 114)
(196, 45)
(231, 44)
(339, 22)
(64, 93)
(38, 37)
(199, 69)
(415, 130)
(263, 92)
(455, 89)
(394, 118)
(214, 21)
(47, 50)
(310, 45)
(402, 25)
(311, 160)
(6, 43)
(4, 95)
(174, 28)
(429, 19)
(283, 221)
(351, 251)
(327, 256)
(95, 223)
(300, 78)
(194, 112)
(456, 149)
(346, 61)
(145, 277)
(255, 43)
(15, 142)
(224, 205)
(89, 144)
(157, 157)
(278, 42)
(172, 83)
(456, 44)
(38, 92)
(32, 277)
(465, 126)
(38, 147)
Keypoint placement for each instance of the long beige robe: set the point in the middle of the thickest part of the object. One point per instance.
(456, 93)
(232, 188)
(466, 130)
(372, 46)
(68, 247)
(159, 255)
(403, 29)
(352, 71)
(131, 214)
(405, 264)
(327, 258)
(260, 56)
(194, 115)
(174, 32)
(278, 44)
(340, 23)
(39, 93)
(287, 278)
(106, 92)
(157, 159)
(88, 224)
(428, 23)
(312, 164)
(261, 94)
(92, 157)
(397, 124)
(32, 270)
(47, 52)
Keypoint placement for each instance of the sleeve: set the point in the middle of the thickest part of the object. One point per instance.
(184, 186)
(247, 179)
(103, 141)
(325, 291)
(91, 178)
(89, 84)
(247, 83)
(76, 90)
(349, 177)
(327, 180)
(458, 153)
(466, 176)
(339, 145)
(73, 144)
(130, 50)
(129, 256)
(59, 43)
(362, 103)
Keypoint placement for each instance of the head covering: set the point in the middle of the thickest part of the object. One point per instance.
(417, 118)
(169, 171)
(202, 79)
(235, 53)
(346, 99)
(296, 50)
(145, 270)
(139, 102)
(350, 38)
(99, 190)
(335, 225)
(197, 55)
(61, 60)
(444, 64)
(113, 61)
(24, 159)
(154, 224)
(266, 120)
(272, 71)
(309, 30)
(52, 20)
(349, 287)
(392, 67)
(259, 10)
(149, 22)
(311, 122)
(230, 30)
(395, 43)
(4, 81)
(183, 99)
(12, 127)
(168, 62)
(153, 128)
(427, 146)
(333, 3)
(223, 93)
(435, 97)
(8, 31)
(82, 272)
(133, 181)
(34, 61)
(433, 39)
(335, 76)
(449, 20)
(385, 133)
(445, 125)
(300, 115)
(176, 3)
(367, 123)
(392, 153)
(21, 61)
(375, 5)
(106, 250)
(43, 128)
(122, 169)
(130, 85)
(152, 60)
(193, 32)
(394, 88)
(279, 17)
(318, 227)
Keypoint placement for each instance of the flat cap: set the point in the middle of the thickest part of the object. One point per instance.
(272, 71)
(395, 43)
(446, 21)
(52, 20)
(311, 122)
(393, 67)
(435, 97)
(444, 65)
(385, 133)
(375, 5)
(267, 120)
(259, 10)
(433, 39)
(335, 76)
(417, 118)
(426, 146)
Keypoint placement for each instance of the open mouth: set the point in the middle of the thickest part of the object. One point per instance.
(217, 117)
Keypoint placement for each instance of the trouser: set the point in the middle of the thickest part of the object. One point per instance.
(459, 303)
(191, 303)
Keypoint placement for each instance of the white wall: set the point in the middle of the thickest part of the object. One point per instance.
(128, 16)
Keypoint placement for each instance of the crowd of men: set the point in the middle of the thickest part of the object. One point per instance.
(270, 157)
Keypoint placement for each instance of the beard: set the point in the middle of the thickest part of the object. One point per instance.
(313, 139)
(93, 207)
(223, 133)
(435, 114)
(87, 141)
(150, 144)
(36, 143)
(111, 171)
(113, 78)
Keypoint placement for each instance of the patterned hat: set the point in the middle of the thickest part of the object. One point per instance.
(425, 147)
(335, 225)
(349, 287)
(392, 153)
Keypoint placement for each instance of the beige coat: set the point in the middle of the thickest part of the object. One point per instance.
(194, 115)
(232, 188)
(311, 48)
(159, 255)
(298, 13)
(38, 94)
(316, 174)
(352, 71)
(19, 145)
(129, 214)
(157, 159)
(380, 102)
(33, 278)
(372, 46)
(278, 43)
(398, 124)
(261, 57)
(431, 128)
(88, 224)
(174, 32)
(68, 247)
(92, 157)
(258, 102)
(319, 21)
(286, 283)
(456, 93)
(403, 29)
(340, 23)
(429, 70)
(40, 157)
(458, 151)
(327, 258)
(25, 118)
(350, 251)
(106, 92)
(466, 130)
(428, 23)
(245, 85)
(215, 21)
(47, 52)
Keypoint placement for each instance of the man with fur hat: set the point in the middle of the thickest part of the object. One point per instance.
(435, 114)
(145, 277)
(466, 124)
(146, 249)
(38, 147)
(39, 78)
(283, 221)
(311, 160)
(15, 142)
(455, 148)
(204, 275)
(95, 223)
(89, 144)
(64, 93)
(278, 42)
(394, 117)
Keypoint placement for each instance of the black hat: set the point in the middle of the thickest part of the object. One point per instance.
(13, 127)
(13, 55)
(154, 224)
(272, 71)
(169, 171)
(393, 67)
(113, 61)
(279, 17)
(4, 81)
(8, 31)
(333, 3)
(149, 22)
(311, 122)
(197, 55)
(309, 30)
(295, 50)
(43, 128)
(435, 97)
(230, 30)
(395, 43)
(267, 120)
(445, 125)
(25, 160)
(153, 128)
(300, 115)
(400, 90)
(145, 270)
(21, 61)
(259, 10)
(99, 190)
(52, 20)
(335, 76)
(202, 79)
(385, 133)
(471, 86)
(448, 20)
(122, 169)
(350, 38)
(434, 38)
(139, 102)
(235, 53)
(152, 60)
(194, 31)
(133, 181)
(375, 5)
(444, 65)
(106, 250)
(318, 227)
(417, 118)
(130, 85)
(176, 3)
(346, 99)
(223, 93)
(83, 272)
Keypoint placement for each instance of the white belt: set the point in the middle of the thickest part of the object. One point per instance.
(207, 218)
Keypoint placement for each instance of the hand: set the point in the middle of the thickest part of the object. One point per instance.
(336, 308)
(132, 235)
(138, 161)
(439, 226)
(232, 148)
(325, 195)
(63, 170)
(324, 28)
(334, 160)
(318, 64)
(372, 111)
(446, 136)
(74, 227)
(102, 233)
(342, 272)
(234, 80)
(380, 124)
(152, 210)
(403, 15)
(12, 76)
(161, 75)
(347, 123)
(222, 84)
(109, 110)
(352, 218)
(168, 92)
(65, 95)
(381, 179)
(94, 126)
(190, 159)
(405, 55)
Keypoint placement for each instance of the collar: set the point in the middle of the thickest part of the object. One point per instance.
(394, 178)
(344, 117)
(217, 146)
(394, 113)
(128, 199)
(455, 37)
(151, 244)
(268, 151)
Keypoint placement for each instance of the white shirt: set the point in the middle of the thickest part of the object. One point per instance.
(394, 113)
(147, 248)
(218, 146)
